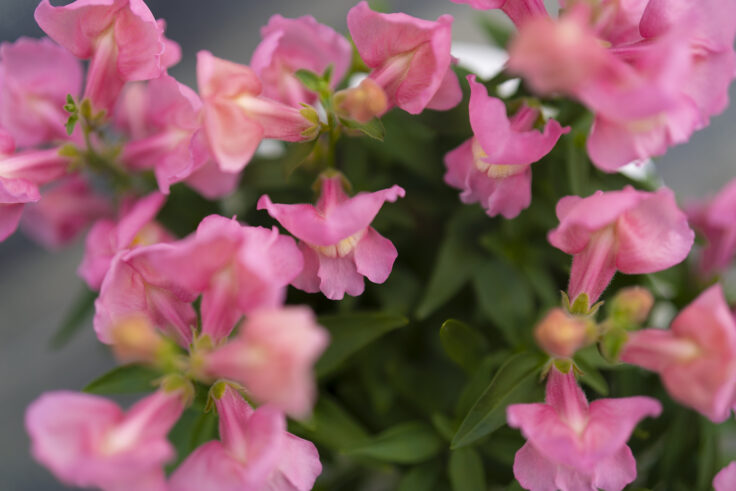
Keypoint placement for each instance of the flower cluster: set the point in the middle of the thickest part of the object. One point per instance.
(207, 312)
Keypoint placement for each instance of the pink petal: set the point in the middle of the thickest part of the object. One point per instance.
(653, 236)
(374, 256)
(448, 95)
(725, 480)
(308, 280)
(298, 466)
(140, 42)
(210, 466)
(615, 472)
(533, 471)
(338, 276)
(233, 137)
(9, 219)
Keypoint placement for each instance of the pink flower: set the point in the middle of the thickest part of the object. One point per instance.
(716, 220)
(135, 228)
(289, 45)
(273, 357)
(20, 175)
(255, 452)
(494, 167)
(65, 211)
(572, 445)
(709, 28)
(631, 231)
(136, 286)
(696, 357)
(410, 57)
(163, 121)
(725, 480)
(236, 119)
(120, 37)
(519, 11)
(35, 78)
(339, 245)
(236, 268)
(88, 441)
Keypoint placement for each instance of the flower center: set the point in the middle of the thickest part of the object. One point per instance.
(494, 171)
(342, 248)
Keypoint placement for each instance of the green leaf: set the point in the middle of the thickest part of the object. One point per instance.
(74, 320)
(350, 333)
(708, 450)
(466, 470)
(420, 478)
(373, 128)
(505, 298)
(332, 426)
(591, 376)
(71, 123)
(463, 344)
(515, 382)
(309, 79)
(193, 428)
(125, 379)
(454, 266)
(406, 443)
(496, 31)
(296, 155)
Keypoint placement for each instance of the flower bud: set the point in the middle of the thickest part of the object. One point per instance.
(136, 340)
(632, 305)
(560, 334)
(362, 103)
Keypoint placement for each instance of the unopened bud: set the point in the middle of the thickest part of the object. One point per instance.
(632, 305)
(561, 334)
(136, 340)
(362, 103)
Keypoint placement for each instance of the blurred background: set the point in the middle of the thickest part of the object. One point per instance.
(37, 287)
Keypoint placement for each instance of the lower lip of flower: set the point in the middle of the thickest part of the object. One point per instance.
(494, 171)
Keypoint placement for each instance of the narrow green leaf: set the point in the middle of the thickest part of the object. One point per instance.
(420, 478)
(350, 333)
(406, 443)
(332, 426)
(296, 155)
(708, 450)
(75, 318)
(479, 380)
(466, 470)
(125, 379)
(454, 266)
(463, 344)
(373, 128)
(515, 382)
(71, 123)
(309, 79)
(591, 376)
(505, 298)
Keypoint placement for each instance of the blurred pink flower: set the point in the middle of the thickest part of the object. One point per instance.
(163, 120)
(725, 480)
(236, 118)
(236, 268)
(631, 231)
(255, 452)
(20, 175)
(273, 357)
(36, 75)
(494, 167)
(696, 357)
(136, 227)
(289, 45)
(716, 220)
(339, 245)
(519, 11)
(574, 446)
(68, 207)
(136, 286)
(88, 441)
(120, 37)
(409, 57)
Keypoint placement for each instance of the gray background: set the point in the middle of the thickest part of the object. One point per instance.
(36, 286)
